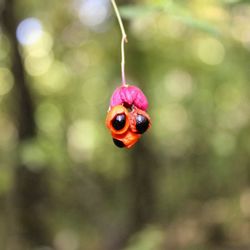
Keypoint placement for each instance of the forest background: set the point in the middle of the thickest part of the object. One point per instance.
(63, 183)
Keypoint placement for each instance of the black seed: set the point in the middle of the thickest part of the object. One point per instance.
(142, 124)
(118, 143)
(119, 122)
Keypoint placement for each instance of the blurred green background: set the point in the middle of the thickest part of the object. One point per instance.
(65, 186)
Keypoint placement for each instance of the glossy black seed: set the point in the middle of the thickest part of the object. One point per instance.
(118, 143)
(142, 124)
(119, 122)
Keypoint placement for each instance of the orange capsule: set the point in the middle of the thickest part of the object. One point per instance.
(139, 121)
(126, 140)
(117, 120)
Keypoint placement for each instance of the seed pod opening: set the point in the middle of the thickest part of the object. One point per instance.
(117, 120)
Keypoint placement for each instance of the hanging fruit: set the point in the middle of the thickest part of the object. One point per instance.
(127, 118)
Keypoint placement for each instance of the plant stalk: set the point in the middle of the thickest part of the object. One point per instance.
(124, 40)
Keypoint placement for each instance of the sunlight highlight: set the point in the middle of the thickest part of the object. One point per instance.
(29, 31)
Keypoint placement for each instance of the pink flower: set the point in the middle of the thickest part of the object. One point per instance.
(129, 95)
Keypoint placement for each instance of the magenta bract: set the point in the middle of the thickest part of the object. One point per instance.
(129, 95)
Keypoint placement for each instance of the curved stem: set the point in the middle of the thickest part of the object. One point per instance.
(124, 40)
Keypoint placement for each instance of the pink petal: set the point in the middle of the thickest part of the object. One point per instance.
(130, 95)
(116, 98)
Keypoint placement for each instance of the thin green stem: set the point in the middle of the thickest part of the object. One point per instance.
(124, 40)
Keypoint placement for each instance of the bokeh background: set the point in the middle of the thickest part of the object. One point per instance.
(65, 186)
